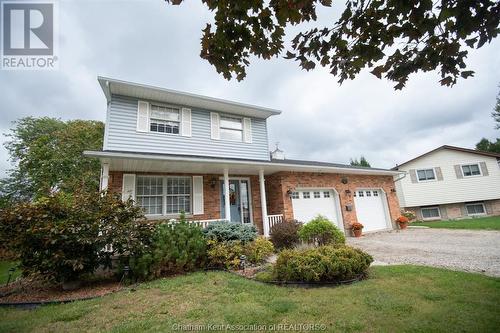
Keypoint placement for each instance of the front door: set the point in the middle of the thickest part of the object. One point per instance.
(239, 201)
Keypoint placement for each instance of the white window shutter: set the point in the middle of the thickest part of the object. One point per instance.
(128, 186)
(142, 116)
(215, 125)
(197, 195)
(247, 130)
(186, 122)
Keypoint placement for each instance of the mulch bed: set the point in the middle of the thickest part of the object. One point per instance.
(35, 292)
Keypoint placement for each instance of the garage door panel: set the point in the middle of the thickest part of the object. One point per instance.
(308, 204)
(370, 209)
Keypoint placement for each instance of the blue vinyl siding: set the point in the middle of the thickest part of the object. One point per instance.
(122, 135)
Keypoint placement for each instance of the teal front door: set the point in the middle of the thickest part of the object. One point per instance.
(239, 201)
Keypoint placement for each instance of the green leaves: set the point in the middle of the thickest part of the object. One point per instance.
(47, 153)
(422, 35)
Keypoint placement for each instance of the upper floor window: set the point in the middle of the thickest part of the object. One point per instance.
(469, 170)
(426, 174)
(164, 119)
(231, 128)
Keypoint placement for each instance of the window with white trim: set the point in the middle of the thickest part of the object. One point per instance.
(231, 128)
(149, 193)
(326, 194)
(306, 195)
(361, 193)
(317, 195)
(475, 209)
(429, 213)
(425, 175)
(164, 119)
(375, 193)
(469, 170)
(368, 193)
(295, 195)
(178, 195)
(158, 195)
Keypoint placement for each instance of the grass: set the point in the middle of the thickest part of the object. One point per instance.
(393, 299)
(480, 223)
(4, 271)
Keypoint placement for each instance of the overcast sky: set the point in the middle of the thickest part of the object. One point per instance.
(152, 43)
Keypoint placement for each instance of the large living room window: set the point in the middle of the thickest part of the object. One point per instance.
(475, 209)
(426, 175)
(231, 128)
(470, 170)
(430, 213)
(164, 119)
(158, 195)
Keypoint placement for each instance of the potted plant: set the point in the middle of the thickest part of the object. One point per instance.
(409, 215)
(403, 222)
(357, 229)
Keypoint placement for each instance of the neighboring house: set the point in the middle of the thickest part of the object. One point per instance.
(173, 151)
(451, 182)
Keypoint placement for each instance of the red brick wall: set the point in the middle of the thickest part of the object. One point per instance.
(211, 195)
(277, 185)
(280, 203)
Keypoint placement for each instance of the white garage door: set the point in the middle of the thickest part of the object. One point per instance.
(370, 209)
(307, 204)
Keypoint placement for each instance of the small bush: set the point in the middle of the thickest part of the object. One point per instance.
(285, 235)
(176, 248)
(321, 264)
(230, 231)
(258, 250)
(224, 255)
(321, 231)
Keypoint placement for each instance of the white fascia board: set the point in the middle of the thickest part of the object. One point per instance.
(103, 155)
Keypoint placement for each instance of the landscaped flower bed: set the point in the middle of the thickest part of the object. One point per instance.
(63, 240)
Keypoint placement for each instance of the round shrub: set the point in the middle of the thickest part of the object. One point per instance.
(230, 231)
(176, 248)
(285, 235)
(321, 264)
(224, 255)
(321, 231)
(258, 250)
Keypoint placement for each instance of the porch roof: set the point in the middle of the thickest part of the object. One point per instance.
(151, 162)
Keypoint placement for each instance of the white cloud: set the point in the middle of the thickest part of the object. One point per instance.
(157, 44)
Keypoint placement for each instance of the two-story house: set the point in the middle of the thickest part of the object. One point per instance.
(173, 151)
(451, 182)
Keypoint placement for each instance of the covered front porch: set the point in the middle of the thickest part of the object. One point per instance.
(207, 190)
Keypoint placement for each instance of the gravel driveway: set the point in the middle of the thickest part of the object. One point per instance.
(465, 250)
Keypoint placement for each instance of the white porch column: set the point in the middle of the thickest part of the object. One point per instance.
(104, 176)
(227, 207)
(263, 203)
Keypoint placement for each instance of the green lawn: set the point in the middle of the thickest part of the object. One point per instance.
(4, 271)
(394, 299)
(481, 223)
